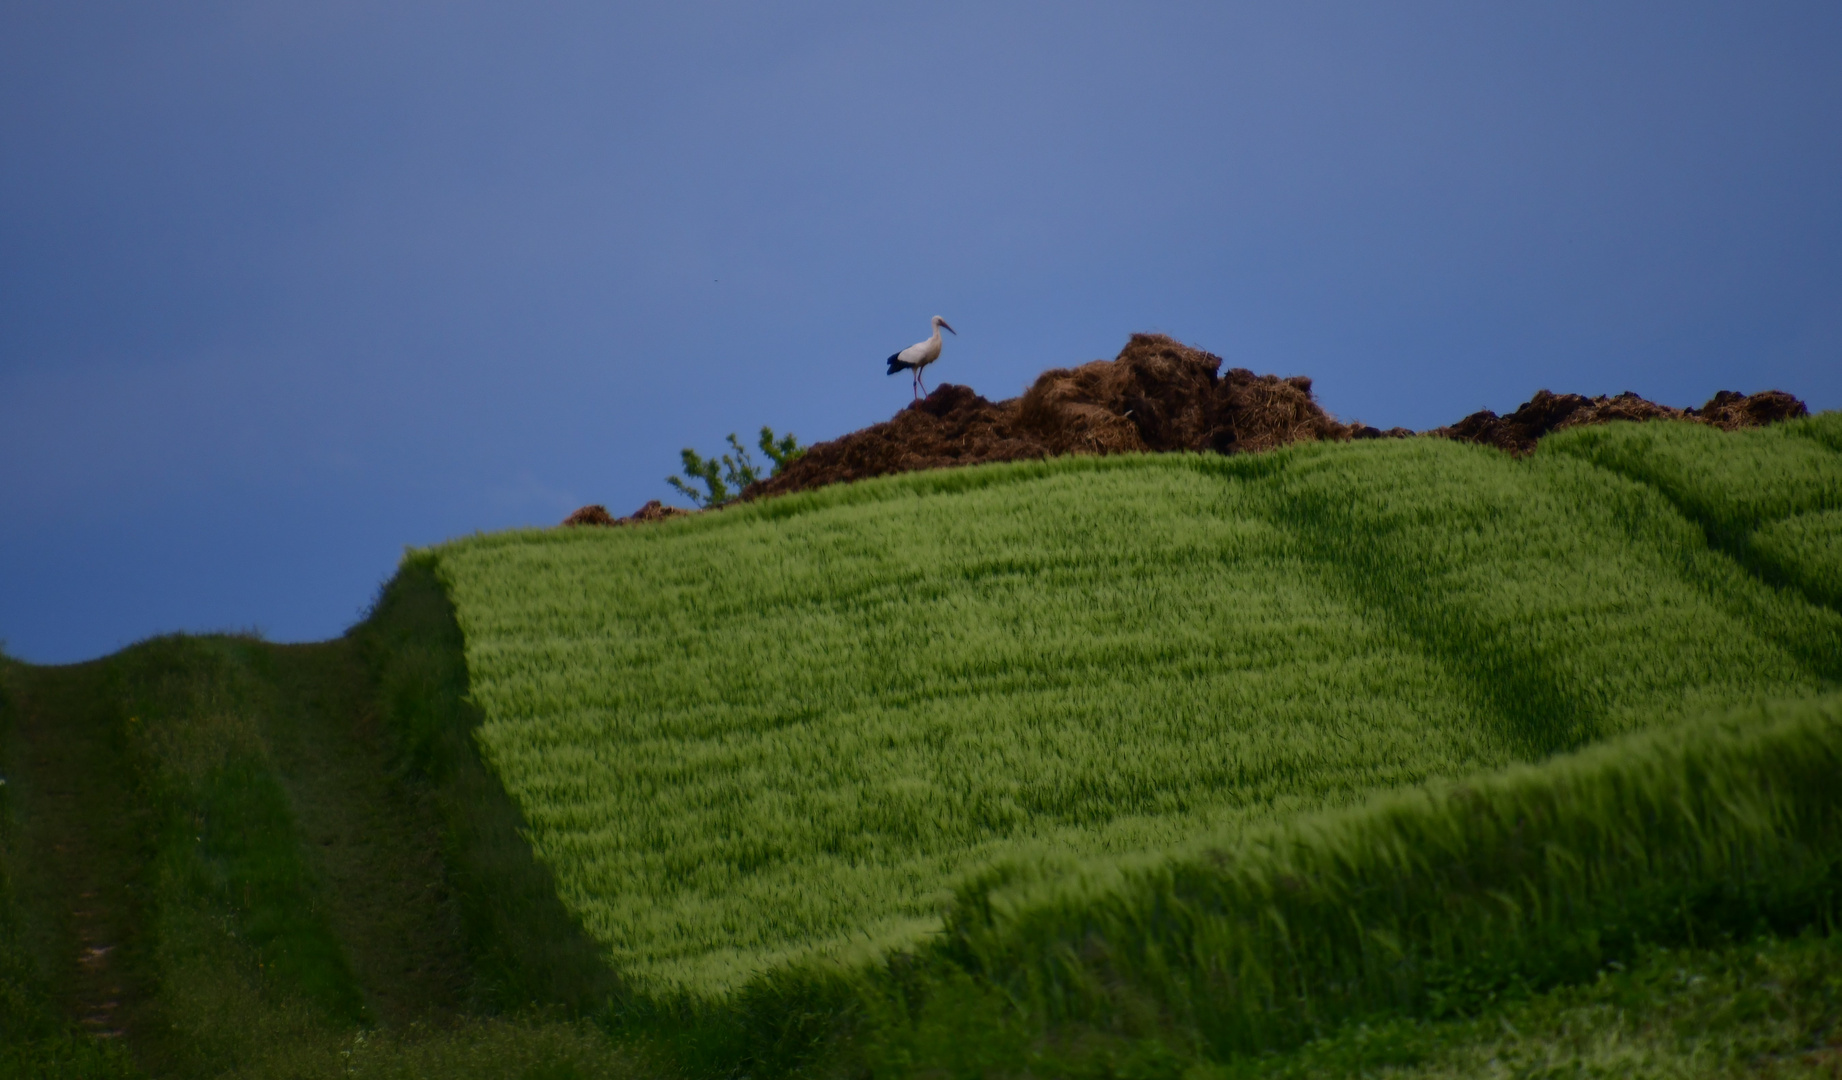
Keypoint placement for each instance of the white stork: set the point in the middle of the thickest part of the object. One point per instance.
(920, 355)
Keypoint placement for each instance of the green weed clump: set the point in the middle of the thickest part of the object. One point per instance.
(744, 742)
(724, 476)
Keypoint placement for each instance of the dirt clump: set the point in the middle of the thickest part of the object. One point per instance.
(1159, 395)
(1156, 395)
(1518, 432)
(1264, 412)
(1364, 431)
(654, 510)
(1731, 410)
(596, 514)
(951, 426)
(593, 514)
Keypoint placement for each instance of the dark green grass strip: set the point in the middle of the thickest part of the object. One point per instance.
(246, 859)
(525, 947)
(1758, 1007)
(185, 857)
(227, 838)
(38, 1038)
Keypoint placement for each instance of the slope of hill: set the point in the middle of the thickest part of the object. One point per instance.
(789, 728)
(214, 861)
(1097, 766)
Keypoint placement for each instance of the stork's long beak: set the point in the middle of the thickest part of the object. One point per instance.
(955, 333)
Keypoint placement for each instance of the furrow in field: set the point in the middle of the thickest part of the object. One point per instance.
(1768, 500)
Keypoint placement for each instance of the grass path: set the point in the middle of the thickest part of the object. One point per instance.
(85, 846)
(377, 843)
(216, 862)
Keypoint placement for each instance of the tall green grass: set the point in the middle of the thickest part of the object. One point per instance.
(791, 730)
(1768, 498)
(1806, 549)
(1420, 903)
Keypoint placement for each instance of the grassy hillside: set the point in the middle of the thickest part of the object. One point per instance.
(1398, 758)
(217, 860)
(790, 728)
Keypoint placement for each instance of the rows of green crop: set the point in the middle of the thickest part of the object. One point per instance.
(1420, 903)
(1579, 603)
(787, 730)
(1770, 498)
(740, 743)
(1807, 550)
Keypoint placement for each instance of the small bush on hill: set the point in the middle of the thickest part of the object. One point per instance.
(725, 477)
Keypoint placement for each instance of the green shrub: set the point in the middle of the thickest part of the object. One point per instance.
(724, 477)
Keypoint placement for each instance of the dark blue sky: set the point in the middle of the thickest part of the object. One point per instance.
(284, 288)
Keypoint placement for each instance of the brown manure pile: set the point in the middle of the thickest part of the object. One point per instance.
(1161, 395)
(597, 514)
(1157, 395)
(1518, 432)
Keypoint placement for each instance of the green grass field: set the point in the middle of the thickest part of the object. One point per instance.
(791, 729)
(1398, 758)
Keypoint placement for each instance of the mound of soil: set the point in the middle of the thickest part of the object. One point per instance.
(1518, 432)
(1157, 395)
(593, 514)
(1161, 395)
(596, 514)
(1731, 410)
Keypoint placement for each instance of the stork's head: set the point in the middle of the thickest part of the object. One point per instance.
(938, 321)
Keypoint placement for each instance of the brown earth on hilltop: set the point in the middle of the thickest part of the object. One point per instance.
(1160, 395)
(1157, 395)
(1518, 432)
(596, 514)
